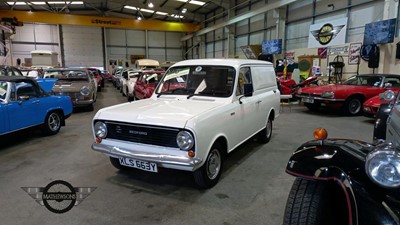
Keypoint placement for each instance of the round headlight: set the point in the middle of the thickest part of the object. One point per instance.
(383, 166)
(328, 94)
(185, 140)
(85, 91)
(100, 129)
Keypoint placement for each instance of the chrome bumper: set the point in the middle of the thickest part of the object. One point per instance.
(78, 102)
(321, 98)
(179, 162)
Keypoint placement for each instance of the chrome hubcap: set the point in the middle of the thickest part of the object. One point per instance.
(213, 164)
(54, 122)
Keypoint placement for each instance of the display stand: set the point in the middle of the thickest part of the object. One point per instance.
(337, 66)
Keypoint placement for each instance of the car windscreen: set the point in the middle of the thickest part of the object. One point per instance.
(70, 75)
(198, 80)
(373, 81)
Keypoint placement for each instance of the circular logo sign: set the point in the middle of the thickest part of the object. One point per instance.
(325, 34)
(198, 69)
(59, 196)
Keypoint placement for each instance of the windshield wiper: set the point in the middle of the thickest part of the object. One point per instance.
(189, 96)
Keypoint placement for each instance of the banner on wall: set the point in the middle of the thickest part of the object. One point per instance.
(328, 33)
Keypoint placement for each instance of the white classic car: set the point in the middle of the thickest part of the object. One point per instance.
(128, 82)
(200, 111)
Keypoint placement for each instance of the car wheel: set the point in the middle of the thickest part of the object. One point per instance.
(52, 123)
(208, 175)
(380, 122)
(313, 202)
(311, 107)
(265, 135)
(304, 203)
(116, 164)
(353, 106)
(91, 107)
(130, 98)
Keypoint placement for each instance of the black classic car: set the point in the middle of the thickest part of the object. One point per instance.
(347, 182)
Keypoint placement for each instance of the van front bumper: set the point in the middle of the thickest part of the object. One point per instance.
(178, 160)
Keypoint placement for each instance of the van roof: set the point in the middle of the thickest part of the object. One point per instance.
(43, 52)
(147, 62)
(222, 62)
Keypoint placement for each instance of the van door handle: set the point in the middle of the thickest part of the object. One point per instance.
(36, 101)
(274, 91)
(258, 102)
(232, 113)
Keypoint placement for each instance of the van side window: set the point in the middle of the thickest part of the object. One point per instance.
(244, 78)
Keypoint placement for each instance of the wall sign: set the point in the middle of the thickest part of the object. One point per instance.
(354, 53)
(328, 33)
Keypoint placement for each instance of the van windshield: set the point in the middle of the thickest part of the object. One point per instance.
(198, 80)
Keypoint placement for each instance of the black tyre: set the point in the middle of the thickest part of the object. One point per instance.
(353, 106)
(208, 175)
(380, 122)
(52, 123)
(304, 203)
(312, 107)
(312, 202)
(129, 97)
(116, 164)
(265, 135)
(91, 107)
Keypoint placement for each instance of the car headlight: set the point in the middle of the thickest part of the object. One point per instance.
(85, 91)
(100, 129)
(328, 94)
(185, 140)
(383, 166)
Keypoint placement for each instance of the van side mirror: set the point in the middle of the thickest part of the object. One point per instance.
(248, 90)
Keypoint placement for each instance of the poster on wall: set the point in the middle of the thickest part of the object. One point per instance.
(354, 53)
(328, 33)
(380, 32)
(273, 46)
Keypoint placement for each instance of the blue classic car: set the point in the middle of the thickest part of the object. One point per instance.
(24, 103)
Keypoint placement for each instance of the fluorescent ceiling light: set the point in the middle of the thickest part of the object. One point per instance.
(147, 10)
(162, 13)
(130, 7)
(16, 3)
(197, 2)
(150, 5)
(139, 18)
(39, 3)
(76, 3)
(184, 10)
(182, 0)
(57, 3)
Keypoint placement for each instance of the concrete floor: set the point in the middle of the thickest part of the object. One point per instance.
(252, 190)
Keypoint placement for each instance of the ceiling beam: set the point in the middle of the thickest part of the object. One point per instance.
(239, 18)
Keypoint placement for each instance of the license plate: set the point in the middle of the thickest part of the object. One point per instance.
(138, 164)
(308, 100)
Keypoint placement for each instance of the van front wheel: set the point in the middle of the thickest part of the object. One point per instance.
(208, 175)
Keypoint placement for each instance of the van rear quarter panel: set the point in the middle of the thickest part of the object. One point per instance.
(265, 87)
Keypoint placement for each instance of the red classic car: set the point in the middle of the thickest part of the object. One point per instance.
(371, 106)
(98, 76)
(351, 94)
(146, 83)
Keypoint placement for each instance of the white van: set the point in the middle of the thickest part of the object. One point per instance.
(44, 59)
(200, 111)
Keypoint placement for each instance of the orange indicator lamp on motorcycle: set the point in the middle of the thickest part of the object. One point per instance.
(320, 134)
